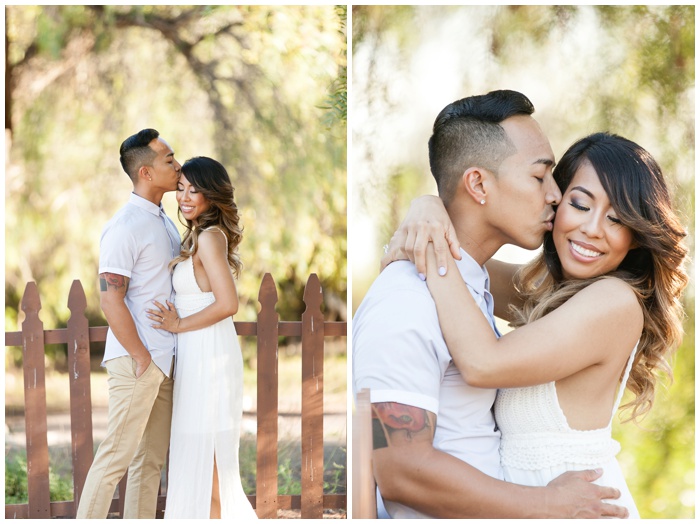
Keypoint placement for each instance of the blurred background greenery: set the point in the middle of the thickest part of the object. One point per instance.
(629, 70)
(262, 89)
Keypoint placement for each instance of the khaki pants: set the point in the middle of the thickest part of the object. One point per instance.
(138, 435)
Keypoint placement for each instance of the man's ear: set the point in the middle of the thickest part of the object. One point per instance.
(145, 173)
(473, 181)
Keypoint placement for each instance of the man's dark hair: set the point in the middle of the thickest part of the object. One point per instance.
(467, 133)
(134, 152)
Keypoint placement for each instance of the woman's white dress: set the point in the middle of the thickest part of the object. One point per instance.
(537, 444)
(207, 411)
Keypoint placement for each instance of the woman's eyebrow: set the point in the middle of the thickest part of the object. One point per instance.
(583, 190)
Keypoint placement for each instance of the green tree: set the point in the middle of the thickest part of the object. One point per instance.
(244, 84)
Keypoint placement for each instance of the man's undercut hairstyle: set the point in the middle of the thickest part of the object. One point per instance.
(135, 152)
(468, 133)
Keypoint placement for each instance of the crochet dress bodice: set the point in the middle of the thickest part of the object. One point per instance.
(535, 433)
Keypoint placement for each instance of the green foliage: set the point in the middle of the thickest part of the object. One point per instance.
(288, 474)
(376, 22)
(289, 469)
(335, 473)
(243, 84)
(658, 454)
(336, 104)
(15, 480)
(60, 487)
(289, 480)
(248, 465)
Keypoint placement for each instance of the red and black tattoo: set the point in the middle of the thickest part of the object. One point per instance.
(391, 417)
(114, 281)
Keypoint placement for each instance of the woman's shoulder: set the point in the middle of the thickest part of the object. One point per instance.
(608, 315)
(213, 231)
(213, 234)
(613, 284)
(612, 295)
(212, 240)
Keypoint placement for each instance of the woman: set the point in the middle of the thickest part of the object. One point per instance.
(599, 311)
(204, 479)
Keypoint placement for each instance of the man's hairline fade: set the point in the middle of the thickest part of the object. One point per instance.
(502, 149)
(481, 115)
(136, 146)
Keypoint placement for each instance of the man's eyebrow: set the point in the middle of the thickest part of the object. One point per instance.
(583, 190)
(545, 161)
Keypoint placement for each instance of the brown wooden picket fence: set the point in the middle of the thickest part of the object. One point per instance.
(77, 335)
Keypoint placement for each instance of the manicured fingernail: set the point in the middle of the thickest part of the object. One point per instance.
(421, 276)
(442, 271)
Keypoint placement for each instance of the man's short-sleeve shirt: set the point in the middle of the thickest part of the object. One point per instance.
(139, 242)
(400, 354)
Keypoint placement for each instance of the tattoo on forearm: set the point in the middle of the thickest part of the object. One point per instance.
(389, 418)
(114, 281)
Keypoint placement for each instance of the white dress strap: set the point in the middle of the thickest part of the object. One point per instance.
(215, 228)
(623, 382)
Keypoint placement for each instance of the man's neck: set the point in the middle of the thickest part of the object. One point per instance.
(151, 196)
(475, 236)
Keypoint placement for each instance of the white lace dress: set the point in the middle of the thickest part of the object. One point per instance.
(207, 411)
(537, 444)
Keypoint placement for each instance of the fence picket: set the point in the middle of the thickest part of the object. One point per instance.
(312, 333)
(268, 408)
(35, 406)
(79, 376)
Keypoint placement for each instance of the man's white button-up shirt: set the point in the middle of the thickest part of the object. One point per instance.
(139, 242)
(400, 354)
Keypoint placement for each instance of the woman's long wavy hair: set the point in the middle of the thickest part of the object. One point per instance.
(654, 269)
(210, 178)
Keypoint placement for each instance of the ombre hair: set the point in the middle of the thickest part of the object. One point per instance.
(654, 268)
(210, 179)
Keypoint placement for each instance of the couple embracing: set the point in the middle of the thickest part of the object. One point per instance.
(471, 423)
(172, 355)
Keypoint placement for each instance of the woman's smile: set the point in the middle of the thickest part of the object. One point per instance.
(586, 251)
(588, 235)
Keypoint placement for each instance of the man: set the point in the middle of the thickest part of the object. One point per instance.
(135, 248)
(435, 440)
